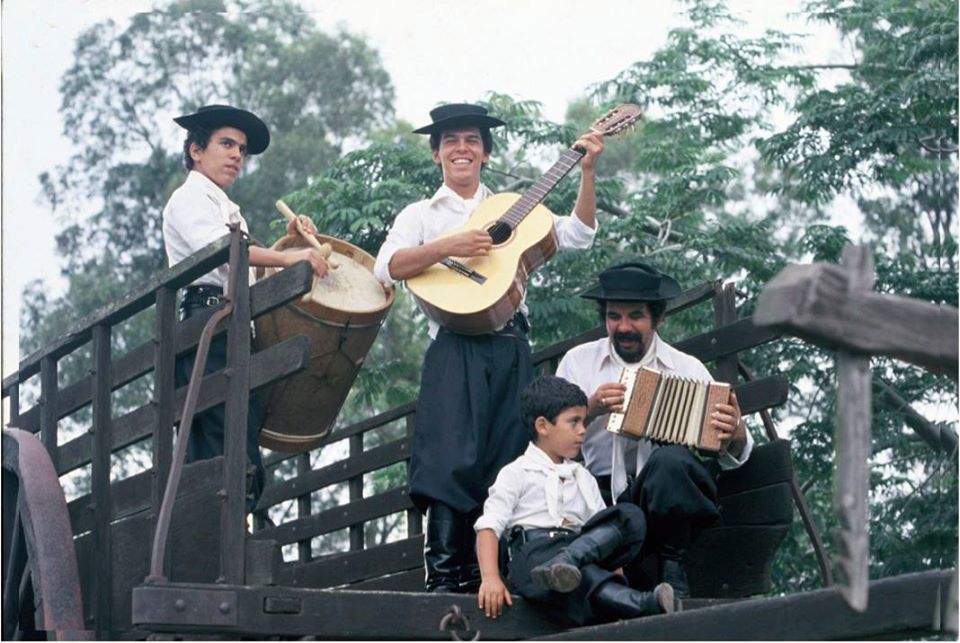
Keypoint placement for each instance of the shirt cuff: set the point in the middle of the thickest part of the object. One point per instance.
(381, 267)
(728, 461)
(489, 522)
(574, 233)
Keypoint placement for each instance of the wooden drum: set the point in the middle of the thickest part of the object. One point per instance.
(341, 316)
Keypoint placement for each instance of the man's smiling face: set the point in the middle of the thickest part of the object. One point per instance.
(460, 157)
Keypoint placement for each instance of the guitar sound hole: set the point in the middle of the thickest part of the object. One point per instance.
(500, 232)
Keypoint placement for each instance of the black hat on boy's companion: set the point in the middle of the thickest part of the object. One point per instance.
(214, 116)
(633, 281)
(454, 115)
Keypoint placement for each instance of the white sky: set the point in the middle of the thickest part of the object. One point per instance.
(434, 50)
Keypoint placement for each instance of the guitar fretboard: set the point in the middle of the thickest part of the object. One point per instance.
(539, 190)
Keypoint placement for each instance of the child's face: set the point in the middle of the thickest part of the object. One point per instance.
(564, 437)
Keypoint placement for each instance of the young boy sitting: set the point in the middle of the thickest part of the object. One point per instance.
(564, 546)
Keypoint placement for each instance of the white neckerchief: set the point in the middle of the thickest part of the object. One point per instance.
(627, 447)
(534, 459)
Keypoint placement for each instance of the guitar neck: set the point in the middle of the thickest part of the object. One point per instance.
(539, 190)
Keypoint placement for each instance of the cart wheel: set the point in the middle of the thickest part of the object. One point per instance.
(41, 585)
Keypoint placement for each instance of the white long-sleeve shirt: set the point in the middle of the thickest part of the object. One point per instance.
(595, 363)
(445, 211)
(196, 215)
(533, 491)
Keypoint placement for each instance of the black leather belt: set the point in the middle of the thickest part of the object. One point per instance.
(201, 296)
(518, 326)
(519, 534)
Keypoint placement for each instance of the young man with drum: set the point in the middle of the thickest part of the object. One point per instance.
(676, 490)
(468, 414)
(219, 138)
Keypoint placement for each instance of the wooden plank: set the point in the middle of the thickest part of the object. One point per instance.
(370, 460)
(355, 491)
(267, 366)
(130, 496)
(102, 432)
(194, 543)
(164, 395)
(852, 438)
(900, 607)
(769, 463)
(770, 505)
(735, 561)
(729, 340)
(352, 567)
(408, 581)
(813, 302)
(762, 394)
(265, 296)
(330, 614)
(377, 421)
(339, 517)
(49, 394)
(724, 313)
(236, 407)
(80, 332)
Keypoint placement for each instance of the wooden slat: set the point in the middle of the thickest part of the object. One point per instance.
(102, 431)
(267, 366)
(814, 302)
(370, 460)
(236, 410)
(194, 543)
(352, 567)
(728, 340)
(762, 394)
(732, 562)
(768, 464)
(49, 394)
(408, 581)
(164, 396)
(339, 517)
(725, 313)
(377, 421)
(265, 296)
(770, 505)
(900, 607)
(178, 276)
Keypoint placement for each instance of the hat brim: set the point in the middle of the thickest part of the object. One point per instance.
(258, 136)
(464, 120)
(669, 289)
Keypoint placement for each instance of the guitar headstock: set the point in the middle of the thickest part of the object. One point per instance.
(617, 119)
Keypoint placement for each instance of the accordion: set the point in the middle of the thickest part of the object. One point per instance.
(669, 408)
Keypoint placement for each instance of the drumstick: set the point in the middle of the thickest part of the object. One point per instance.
(325, 249)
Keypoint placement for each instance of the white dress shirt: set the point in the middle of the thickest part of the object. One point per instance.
(446, 210)
(196, 215)
(534, 491)
(595, 363)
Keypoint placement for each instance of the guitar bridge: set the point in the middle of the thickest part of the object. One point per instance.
(464, 270)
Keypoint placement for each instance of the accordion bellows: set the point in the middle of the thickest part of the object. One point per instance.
(669, 408)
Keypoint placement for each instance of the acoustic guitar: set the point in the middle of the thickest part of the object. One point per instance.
(477, 295)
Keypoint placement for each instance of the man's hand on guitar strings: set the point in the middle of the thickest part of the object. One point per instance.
(469, 243)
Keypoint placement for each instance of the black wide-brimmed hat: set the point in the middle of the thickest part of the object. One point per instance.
(213, 116)
(454, 115)
(633, 281)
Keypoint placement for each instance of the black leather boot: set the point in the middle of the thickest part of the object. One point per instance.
(441, 549)
(616, 600)
(562, 572)
(670, 562)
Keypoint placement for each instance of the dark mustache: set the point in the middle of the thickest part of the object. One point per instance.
(629, 337)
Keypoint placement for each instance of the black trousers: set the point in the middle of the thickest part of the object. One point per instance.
(206, 432)
(467, 427)
(529, 548)
(677, 493)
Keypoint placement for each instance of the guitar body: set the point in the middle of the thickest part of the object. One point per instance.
(461, 304)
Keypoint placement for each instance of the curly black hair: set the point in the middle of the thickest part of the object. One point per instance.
(548, 397)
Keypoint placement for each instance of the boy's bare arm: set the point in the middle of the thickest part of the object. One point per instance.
(493, 593)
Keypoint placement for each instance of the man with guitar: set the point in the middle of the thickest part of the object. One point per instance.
(675, 489)
(468, 415)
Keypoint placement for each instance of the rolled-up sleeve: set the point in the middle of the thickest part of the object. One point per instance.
(501, 501)
(406, 232)
(572, 233)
